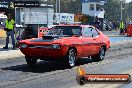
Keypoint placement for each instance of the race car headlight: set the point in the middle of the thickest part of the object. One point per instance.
(23, 45)
(55, 46)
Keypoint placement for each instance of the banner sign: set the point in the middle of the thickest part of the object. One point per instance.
(84, 1)
(3, 4)
(26, 4)
(7, 3)
(34, 17)
(64, 17)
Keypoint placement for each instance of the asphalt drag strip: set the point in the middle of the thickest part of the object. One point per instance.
(15, 73)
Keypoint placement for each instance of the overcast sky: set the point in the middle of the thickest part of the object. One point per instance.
(128, 1)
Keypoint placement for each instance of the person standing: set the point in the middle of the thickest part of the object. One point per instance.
(9, 28)
(97, 23)
(121, 26)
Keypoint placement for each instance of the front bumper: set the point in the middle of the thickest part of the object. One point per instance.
(43, 53)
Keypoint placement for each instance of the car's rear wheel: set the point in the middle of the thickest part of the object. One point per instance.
(71, 58)
(30, 61)
(100, 56)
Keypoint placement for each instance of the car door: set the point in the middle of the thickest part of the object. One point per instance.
(96, 41)
(87, 41)
(76, 39)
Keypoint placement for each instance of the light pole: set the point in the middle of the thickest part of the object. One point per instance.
(121, 7)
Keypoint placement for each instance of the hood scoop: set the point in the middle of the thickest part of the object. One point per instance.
(50, 37)
(54, 36)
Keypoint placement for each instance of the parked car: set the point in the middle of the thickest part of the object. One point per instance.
(67, 43)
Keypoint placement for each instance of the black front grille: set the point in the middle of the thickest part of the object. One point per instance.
(40, 46)
(42, 40)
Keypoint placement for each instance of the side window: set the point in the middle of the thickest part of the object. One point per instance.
(91, 6)
(87, 32)
(98, 7)
(94, 32)
(76, 31)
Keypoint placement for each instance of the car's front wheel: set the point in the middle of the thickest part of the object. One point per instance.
(71, 58)
(100, 56)
(30, 61)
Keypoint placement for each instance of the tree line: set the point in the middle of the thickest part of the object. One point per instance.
(112, 8)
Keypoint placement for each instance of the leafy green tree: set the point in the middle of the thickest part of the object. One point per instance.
(129, 11)
(112, 10)
(67, 6)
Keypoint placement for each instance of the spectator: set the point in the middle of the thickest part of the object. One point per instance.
(97, 23)
(121, 26)
(9, 31)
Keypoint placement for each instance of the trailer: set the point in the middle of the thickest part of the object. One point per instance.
(32, 13)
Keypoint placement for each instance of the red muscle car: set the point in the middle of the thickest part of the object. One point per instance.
(67, 43)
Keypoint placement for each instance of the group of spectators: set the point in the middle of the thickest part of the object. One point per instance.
(121, 25)
(115, 25)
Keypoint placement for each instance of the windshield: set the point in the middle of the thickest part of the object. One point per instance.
(65, 30)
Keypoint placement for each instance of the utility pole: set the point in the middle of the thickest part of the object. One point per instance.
(56, 5)
(56, 10)
(122, 1)
(121, 10)
(47, 17)
(59, 11)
